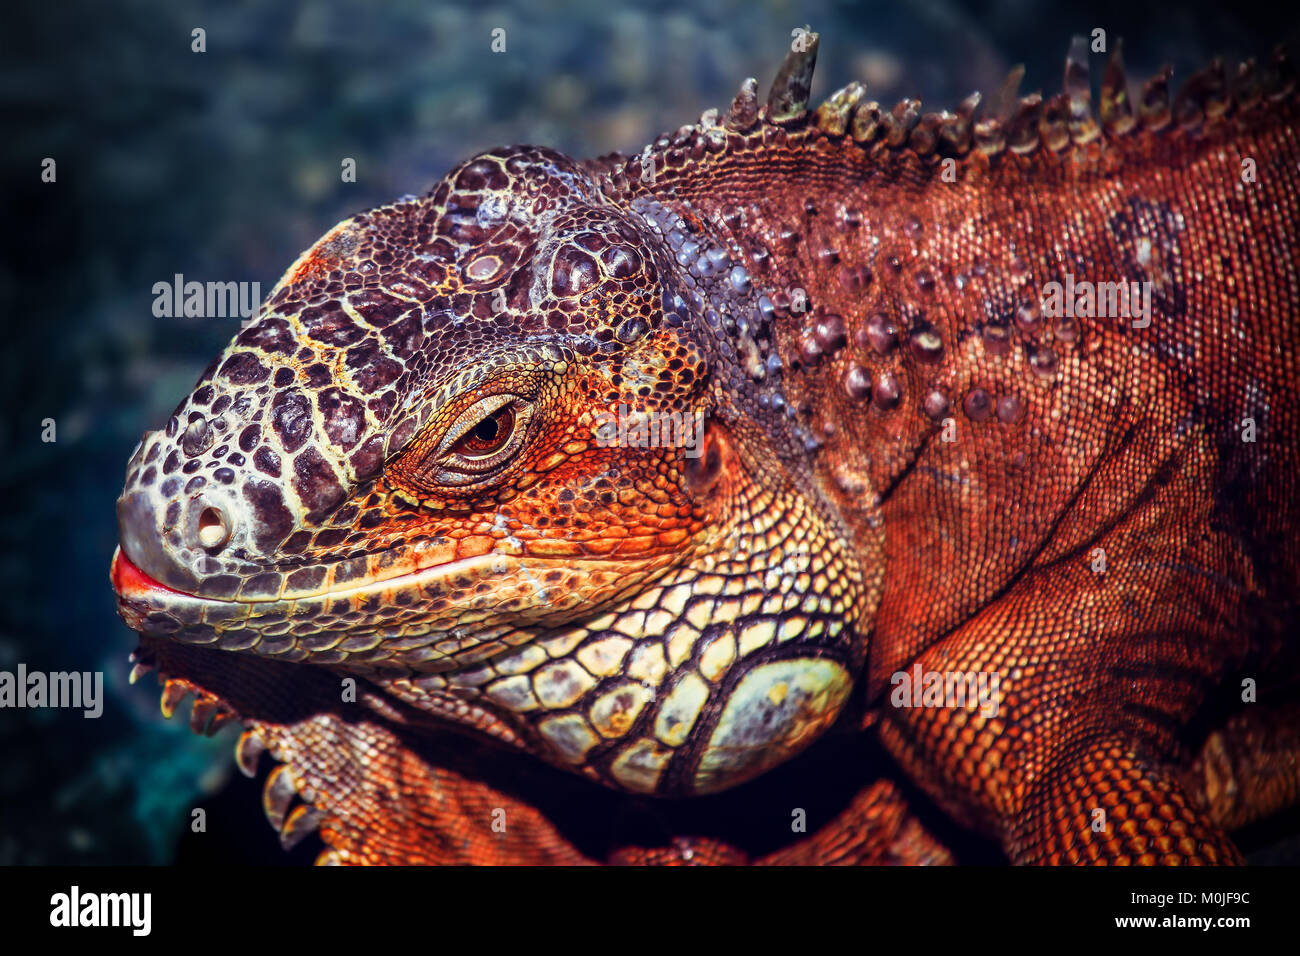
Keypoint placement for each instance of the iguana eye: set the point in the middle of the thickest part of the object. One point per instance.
(484, 437)
(487, 437)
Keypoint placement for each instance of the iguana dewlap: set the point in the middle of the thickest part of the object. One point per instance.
(658, 468)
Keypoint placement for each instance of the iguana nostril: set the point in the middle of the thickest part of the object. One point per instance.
(214, 528)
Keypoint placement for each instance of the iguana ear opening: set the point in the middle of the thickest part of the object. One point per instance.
(703, 470)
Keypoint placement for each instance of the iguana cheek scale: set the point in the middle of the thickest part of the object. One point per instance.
(397, 473)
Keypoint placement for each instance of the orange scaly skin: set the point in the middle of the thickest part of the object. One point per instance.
(404, 528)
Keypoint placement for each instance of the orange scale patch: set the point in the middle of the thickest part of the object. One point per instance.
(553, 548)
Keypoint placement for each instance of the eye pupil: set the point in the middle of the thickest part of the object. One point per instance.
(488, 436)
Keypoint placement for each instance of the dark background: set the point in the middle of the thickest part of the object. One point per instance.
(224, 166)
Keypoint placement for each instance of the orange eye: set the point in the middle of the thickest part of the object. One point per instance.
(487, 437)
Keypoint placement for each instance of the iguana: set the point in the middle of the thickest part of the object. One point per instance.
(976, 438)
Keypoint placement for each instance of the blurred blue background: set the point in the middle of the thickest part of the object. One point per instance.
(224, 166)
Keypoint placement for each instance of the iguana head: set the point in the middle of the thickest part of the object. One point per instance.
(517, 452)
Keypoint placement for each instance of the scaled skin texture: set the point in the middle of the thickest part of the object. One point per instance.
(595, 511)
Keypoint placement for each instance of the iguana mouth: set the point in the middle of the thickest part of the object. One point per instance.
(435, 619)
(130, 581)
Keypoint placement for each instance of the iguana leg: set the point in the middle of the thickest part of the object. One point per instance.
(877, 828)
(1105, 646)
(1249, 768)
(1104, 803)
(378, 790)
(1073, 766)
(1093, 799)
(1096, 676)
(1245, 771)
(380, 794)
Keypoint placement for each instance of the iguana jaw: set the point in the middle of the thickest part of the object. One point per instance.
(438, 618)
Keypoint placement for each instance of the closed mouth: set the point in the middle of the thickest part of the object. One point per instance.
(131, 583)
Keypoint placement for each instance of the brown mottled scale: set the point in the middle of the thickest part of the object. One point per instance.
(1075, 436)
